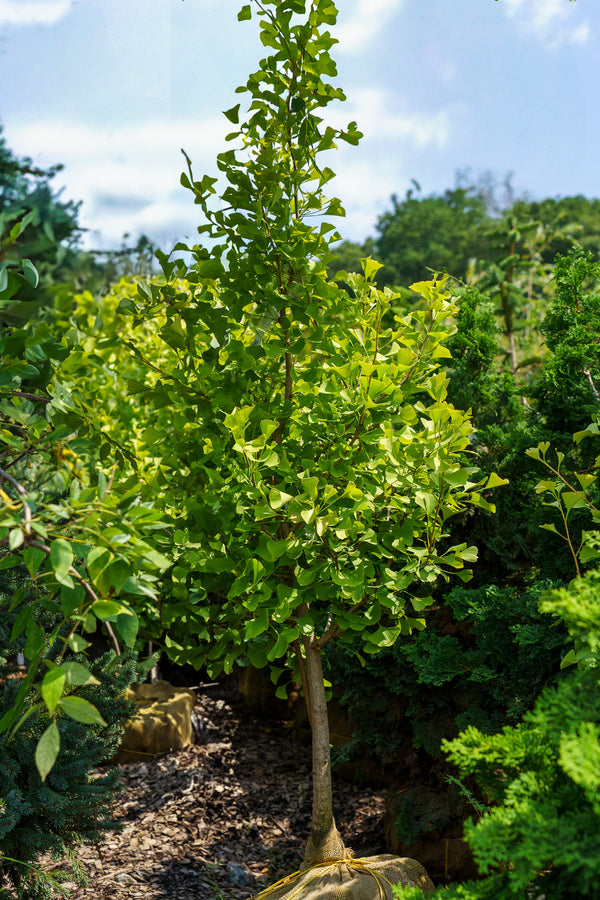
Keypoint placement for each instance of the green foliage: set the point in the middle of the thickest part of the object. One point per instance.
(571, 329)
(347, 257)
(52, 812)
(77, 532)
(543, 775)
(567, 220)
(515, 277)
(547, 821)
(319, 461)
(475, 382)
(40, 227)
(560, 400)
(437, 233)
(486, 654)
(568, 494)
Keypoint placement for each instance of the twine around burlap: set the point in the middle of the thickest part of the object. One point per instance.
(370, 878)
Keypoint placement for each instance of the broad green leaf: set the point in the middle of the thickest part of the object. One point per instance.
(33, 558)
(245, 13)
(275, 549)
(127, 626)
(495, 481)
(585, 480)
(569, 659)
(267, 427)
(257, 626)
(30, 272)
(106, 609)
(370, 267)
(12, 440)
(587, 554)
(420, 603)
(78, 643)
(61, 556)
(384, 637)
(285, 637)
(47, 750)
(52, 686)
(550, 527)
(233, 114)
(15, 538)
(72, 598)
(426, 500)
(36, 638)
(304, 577)
(98, 563)
(76, 674)
(467, 554)
(310, 485)
(117, 574)
(81, 710)
(572, 500)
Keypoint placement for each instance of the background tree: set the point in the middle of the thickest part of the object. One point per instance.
(436, 233)
(566, 220)
(52, 234)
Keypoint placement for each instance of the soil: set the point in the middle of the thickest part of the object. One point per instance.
(223, 818)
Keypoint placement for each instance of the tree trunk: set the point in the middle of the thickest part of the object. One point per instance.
(324, 842)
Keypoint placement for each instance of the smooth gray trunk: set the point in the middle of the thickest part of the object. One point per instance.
(325, 842)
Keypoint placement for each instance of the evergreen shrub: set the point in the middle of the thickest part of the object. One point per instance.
(542, 836)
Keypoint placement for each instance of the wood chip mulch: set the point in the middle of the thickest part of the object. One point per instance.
(223, 818)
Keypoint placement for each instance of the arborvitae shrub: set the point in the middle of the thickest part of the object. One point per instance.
(542, 836)
(485, 656)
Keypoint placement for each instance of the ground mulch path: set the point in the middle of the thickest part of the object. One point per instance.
(223, 818)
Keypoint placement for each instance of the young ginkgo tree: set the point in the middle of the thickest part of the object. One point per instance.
(307, 450)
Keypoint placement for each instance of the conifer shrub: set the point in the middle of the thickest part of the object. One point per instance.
(542, 836)
(513, 412)
(484, 657)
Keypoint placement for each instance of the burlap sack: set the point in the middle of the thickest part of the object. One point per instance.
(162, 721)
(369, 878)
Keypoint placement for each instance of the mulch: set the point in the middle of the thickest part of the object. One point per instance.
(223, 818)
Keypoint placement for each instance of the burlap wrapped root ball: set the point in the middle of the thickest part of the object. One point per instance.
(370, 878)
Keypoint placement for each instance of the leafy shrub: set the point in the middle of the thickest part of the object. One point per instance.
(73, 803)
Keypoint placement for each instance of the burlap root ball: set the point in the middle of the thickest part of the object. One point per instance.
(368, 878)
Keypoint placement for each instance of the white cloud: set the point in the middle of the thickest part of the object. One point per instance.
(33, 12)
(128, 178)
(373, 110)
(364, 190)
(369, 174)
(551, 21)
(366, 20)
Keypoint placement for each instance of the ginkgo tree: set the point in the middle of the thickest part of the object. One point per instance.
(308, 453)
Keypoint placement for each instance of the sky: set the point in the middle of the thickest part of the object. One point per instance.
(113, 89)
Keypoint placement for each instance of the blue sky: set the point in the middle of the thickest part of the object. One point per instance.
(114, 88)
